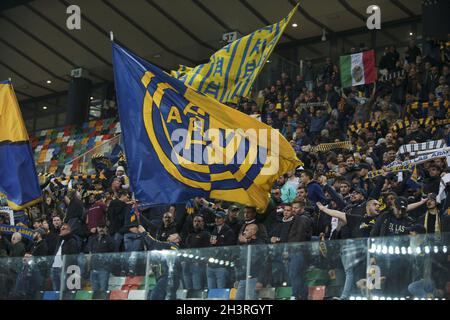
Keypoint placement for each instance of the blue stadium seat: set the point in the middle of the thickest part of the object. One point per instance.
(51, 295)
(219, 294)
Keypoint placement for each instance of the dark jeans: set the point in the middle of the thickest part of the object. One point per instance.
(118, 238)
(133, 244)
(55, 275)
(193, 274)
(99, 280)
(297, 275)
(28, 283)
(217, 277)
(165, 287)
(240, 294)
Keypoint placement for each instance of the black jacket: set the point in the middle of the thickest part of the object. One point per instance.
(74, 217)
(39, 248)
(262, 231)
(70, 245)
(387, 224)
(301, 229)
(163, 233)
(236, 226)
(116, 215)
(197, 239)
(225, 237)
(52, 240)
(100, 245)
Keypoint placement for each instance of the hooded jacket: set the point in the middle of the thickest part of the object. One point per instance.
(118, 211)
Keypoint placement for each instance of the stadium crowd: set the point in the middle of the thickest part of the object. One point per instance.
(332, 196)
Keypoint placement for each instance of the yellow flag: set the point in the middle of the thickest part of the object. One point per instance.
(231, 71)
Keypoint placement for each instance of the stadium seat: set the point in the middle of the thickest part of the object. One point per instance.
(197, 294)
(70, 141)
(317, 277)
(115, 283)
(267, 294)
(51, 295)
(118, 295)
(101, 295)
(84, 295)
(182, 294)
(316, 293)
(138, 280)
(136, 295)
(233, 292)
(151, 283)
(283, 293)
(219, 294)
(68, 295)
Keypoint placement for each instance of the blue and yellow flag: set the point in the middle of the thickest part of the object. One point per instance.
(18, 178)
(231, 71)
(180, 143)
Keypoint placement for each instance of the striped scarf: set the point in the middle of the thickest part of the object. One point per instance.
(399, 168)
(353, 128)
(43, 176)
(426, 105)
(324, 147)
(425, 146)
(437, 223)
(307, 105)
(424, 122)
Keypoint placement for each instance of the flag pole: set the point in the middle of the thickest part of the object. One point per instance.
(111, 36)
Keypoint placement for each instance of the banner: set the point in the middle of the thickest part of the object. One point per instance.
(442, 153)
(428, 146)
(9, 230)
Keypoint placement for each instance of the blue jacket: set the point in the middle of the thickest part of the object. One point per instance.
(318, 124)
(315, 192)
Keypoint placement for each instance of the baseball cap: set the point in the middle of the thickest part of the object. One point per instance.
(220, 214)
(360, 191)
(120, 168)
(401, 202)
(40, 231)
(233, 208)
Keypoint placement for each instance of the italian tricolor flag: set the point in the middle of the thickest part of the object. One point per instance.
(358, 69)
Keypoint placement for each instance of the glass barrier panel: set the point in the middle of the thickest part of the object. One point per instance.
(385, 268)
